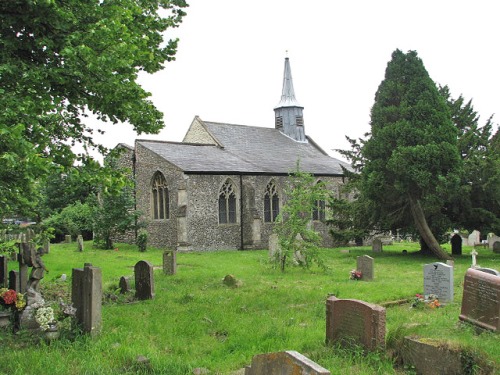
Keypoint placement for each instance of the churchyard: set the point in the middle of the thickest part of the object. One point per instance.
(195, 323)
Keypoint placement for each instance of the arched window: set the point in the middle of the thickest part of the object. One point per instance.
(227, 203)
(318, 213)
(271, 203)
(160, 201)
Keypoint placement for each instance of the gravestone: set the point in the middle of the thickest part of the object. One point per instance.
(474, 238)
(365, 264)
(481, 300)
(350, 321)
(4, 275)
(489, 270)
(496, 247)
(377, 245)
(124, 285)
(86, 297)
(67, 238)
(46, 247)
(274, 245)
(79, 241)
(451, 263)
(169, 262)
(456, 244)
(492, 238)
(438, 280)
(144, 280)
(14, 280)
(284, 363)
(24, 248)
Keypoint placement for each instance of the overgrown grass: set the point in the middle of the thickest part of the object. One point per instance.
(195, 321)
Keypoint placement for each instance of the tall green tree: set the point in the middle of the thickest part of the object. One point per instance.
(411, 160)
(62, 60)
(477, 206)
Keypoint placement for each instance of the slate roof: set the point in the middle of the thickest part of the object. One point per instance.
(247, 150)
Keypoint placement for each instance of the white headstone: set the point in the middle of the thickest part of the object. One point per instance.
(273, 245)
(474, 238)
(365, 264)
(438, 280)
(492, 238)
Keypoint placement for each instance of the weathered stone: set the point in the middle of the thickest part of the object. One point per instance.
(4, 275)
(456, 244)
(438, 280)
(489, 270)
(350, 321)
(14, 280)
(284, 363)
(274, 245)
(377, 245)
(86, 296)
(79, 241)
(67, 238)
(170, 262)
(365, 264)
(481, 300)
(231, 281)
(496, 247)
(474, 238)
(124, 285)
(492, 238)
(144, 280)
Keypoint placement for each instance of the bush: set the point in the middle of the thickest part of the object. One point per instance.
(142, 240)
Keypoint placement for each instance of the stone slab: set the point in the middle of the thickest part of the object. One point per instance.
(284, 363)
(438, 280)
(481, 300)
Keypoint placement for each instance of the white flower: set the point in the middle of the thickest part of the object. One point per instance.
(44, 316)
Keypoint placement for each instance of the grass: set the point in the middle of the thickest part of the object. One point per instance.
(195, 321)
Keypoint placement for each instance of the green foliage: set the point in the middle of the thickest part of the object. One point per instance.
(60, 62)
(298, 241)
(142, 240)
(74, 219)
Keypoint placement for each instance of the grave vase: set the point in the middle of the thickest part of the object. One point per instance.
(5, 318)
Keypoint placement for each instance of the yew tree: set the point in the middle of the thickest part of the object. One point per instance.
(63, 60)
(411, 159)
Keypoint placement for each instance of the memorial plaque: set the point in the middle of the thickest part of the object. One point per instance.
(438, 280)
(365, 264)
(481, 300)
(350, 321)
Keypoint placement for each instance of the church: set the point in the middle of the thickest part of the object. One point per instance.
(222, 187)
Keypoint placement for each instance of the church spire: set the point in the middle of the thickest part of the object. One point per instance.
(288, 113)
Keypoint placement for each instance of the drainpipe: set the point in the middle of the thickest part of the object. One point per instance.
(241, 211)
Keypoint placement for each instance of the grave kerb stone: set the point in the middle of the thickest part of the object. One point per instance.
(438, 280)
(284, 363)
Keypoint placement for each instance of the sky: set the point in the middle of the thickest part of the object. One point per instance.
(230, 61)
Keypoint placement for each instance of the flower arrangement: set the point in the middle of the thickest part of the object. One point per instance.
(44, 316)
(355, 275)
(12, 300)
(430, 300)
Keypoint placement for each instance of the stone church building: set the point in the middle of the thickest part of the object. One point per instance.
(222, 187)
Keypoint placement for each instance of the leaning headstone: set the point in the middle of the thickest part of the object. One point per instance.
(456, 244)
(86, 296)
(489, 270)
(438, 280)
(169, 262)
(274, 245)
(350, 321)
(124, 285)
(284, 363)
(377, 245)
(481, 300)
(79, 240)
(67, 238)
(496, 247)
(144, 280)
(365, 264)
(14, 280)
(4, 275)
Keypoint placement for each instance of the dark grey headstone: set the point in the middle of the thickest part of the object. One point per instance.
(86, 297)
(496, 247)
(456, 244)
(14, 280)
(4, 276)
(144, 280)
(124, 285)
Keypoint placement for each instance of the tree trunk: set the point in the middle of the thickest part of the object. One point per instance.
(424, 230)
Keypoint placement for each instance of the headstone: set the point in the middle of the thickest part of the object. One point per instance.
(352, 321)
(438, 280)
(4, 275)
(496, 247)
(67, 238)
(170, 262)
(124, 285)
(474, 238)
(46, 247)
(79, 240)
(489, 270)
(481, 300)
(377, 245)
(14, 280)
(23, 270)
(456, 244)
(274, 245)
(144, 280)
(284, 363)
(451, 263)
(365, 265)
(492, 238)
(86, 296)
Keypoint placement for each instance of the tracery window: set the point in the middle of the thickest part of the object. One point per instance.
(319, 209)
(160, 199)
(271, 203)
(227, 203)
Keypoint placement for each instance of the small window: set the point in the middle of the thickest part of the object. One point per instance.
(279, 122)
(160, 199)
(227, 203)
(319, 210)
(299, 120)
(271, 203)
